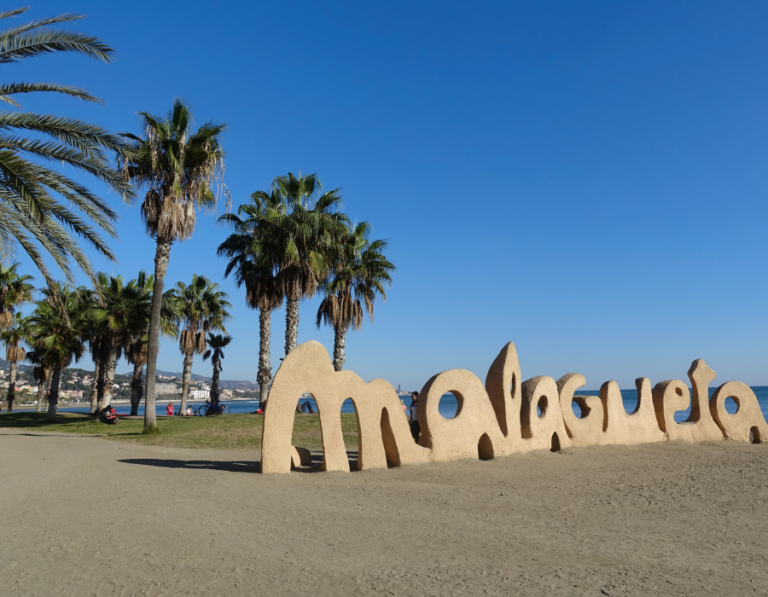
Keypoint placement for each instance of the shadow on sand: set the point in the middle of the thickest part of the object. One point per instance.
(213, 465)
(233, 466)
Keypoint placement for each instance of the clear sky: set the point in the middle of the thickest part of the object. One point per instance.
(588, 179)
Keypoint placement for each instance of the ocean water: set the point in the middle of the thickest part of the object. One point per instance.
(448, 404)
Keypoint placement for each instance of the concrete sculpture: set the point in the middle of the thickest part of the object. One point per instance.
(383, 433)
(504, 416)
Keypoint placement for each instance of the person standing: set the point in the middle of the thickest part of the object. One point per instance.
(169, 409)
(415, 428)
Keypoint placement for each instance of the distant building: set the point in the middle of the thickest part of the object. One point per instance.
(166, 388)
(200, 394)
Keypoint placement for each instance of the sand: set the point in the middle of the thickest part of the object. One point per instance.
(84, 516)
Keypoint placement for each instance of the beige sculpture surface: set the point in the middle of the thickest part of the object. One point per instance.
(545, 430)
(505, 416)
(473, 432)
(587, 429)
(747, 423)
(621, 427)
(382, 427)
(672, 396)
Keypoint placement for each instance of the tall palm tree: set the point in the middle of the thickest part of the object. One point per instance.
(252, 255)
(15, 290)
(359, 271)
(305, 225)
(180, 170)
(56, 332)
(119, 313)
(42, 375)
(216, 343)
(36, 201)
(136, 352)
(13, 338)
(199, 308)
(90, 333)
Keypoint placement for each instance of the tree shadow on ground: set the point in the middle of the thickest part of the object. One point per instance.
(36, 419)
(212, 465)
(60, 434)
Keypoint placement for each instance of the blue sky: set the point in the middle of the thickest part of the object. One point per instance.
(588, 179)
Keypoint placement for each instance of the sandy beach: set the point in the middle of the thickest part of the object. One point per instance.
(84, 516)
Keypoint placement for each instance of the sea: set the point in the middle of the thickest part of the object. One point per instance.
(448, 405)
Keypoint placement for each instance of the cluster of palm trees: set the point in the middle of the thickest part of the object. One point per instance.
(287, 243)
(293, 242)
(109, 320)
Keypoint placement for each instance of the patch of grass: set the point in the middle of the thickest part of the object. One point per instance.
(225, 432)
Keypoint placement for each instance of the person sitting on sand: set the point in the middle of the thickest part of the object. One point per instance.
(415, 428)
(169, 409)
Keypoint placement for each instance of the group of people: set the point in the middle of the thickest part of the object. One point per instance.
(171, 411)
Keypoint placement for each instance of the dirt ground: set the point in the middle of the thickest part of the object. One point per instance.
(82, 516)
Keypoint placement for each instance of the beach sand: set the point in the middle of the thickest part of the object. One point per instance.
(84, 516)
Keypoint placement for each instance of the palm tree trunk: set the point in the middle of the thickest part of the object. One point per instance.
(186, 374)
(93, 396)
(339, 347)
(162, 254)
(53, 398)
(137, 389)
(265, 364)
(101, 378)
(40, 395)
(215, 381)
(109, 378)
(291, 325)
(12, 386)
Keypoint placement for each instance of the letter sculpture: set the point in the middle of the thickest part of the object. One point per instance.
(506, 416)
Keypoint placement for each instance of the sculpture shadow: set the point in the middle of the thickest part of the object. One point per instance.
(212, 465)
(317, 461)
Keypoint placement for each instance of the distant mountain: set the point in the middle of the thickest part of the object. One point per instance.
(6, 365)
(224, 384)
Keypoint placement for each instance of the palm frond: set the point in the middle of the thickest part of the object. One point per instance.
(29, 43)
(14, 88)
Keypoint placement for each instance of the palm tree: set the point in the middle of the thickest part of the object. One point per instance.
(252, 255)
(32, 213)
(304, 227)
(56, 332)
(119, 313)
(90, 333)
(217, 343)
(14, 351)
(15, 290)
(359, 272)
(136, 348)
(179, 170)
(199, 308)
(136, 352)
(42, 374)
